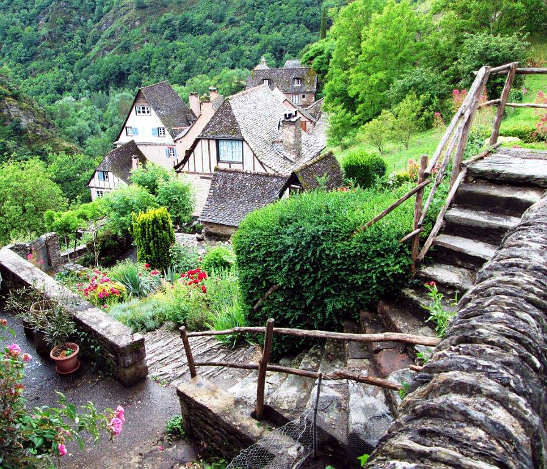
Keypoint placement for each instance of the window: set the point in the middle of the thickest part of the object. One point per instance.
(230, 151)
(158, 132)
(131, 131)
(171, 152)
(142, 110)
(266, 82)
(296, 98)
(103, 175)
(297, 81)
(303, 96)
(100, 193)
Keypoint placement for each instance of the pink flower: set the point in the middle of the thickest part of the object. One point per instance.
(115, 425)
(160, 448)
(14, 349)
(62, 449)
(29, 257)
(3, 322)
(27, 357)
(120, 413)
(155, 272)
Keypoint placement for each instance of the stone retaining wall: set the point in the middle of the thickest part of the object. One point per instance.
(126, 349)
(480, 401)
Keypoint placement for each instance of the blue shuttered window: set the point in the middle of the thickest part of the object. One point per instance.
(230, 151)
(154, 131)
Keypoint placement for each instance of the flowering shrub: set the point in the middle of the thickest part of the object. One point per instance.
(195, 277)
(33, 438)
(102, 290)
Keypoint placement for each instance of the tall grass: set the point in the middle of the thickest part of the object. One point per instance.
(136, 279)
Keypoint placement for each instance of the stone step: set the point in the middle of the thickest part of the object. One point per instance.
(499, 198)
(398, 317)
(481, 225)
(414, 301)
(463, 252)
(453, 278)
(512, 167)
(291, 397)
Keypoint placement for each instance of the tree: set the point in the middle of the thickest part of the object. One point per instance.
(380, 130)
(151, 177)
(177, 197)
(27, 191)
(154, 236)
(72, 173)
(406, 118)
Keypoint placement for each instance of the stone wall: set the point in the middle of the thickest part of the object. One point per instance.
(45, 251)
(125, 349)
(480, 401)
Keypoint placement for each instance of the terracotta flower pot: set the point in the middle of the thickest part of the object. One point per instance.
(66, 365)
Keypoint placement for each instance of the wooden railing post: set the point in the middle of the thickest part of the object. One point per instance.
(418, 213)
(503, 100)
(262, 368)
(188, 350)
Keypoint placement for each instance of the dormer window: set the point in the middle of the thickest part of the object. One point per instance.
(266, 81)
(297, 81)
(142, 110)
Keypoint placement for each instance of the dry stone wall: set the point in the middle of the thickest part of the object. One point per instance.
(480, 401)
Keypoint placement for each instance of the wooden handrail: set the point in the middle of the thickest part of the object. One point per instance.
(382, 337)
(503, 101)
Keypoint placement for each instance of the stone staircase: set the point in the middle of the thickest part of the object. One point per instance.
(491, 201)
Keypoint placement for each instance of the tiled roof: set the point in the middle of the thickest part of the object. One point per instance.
(120, 160)
(234, 194)
(254, 116)
(283, 78)
(324, 167)
(301, 110)
(169, 107)
(315, 109)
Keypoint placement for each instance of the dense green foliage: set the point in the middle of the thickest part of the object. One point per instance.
(122, 203)
(326, 268)
(217, 259)
(363, 168)
(94, 46)
(27, 191)
(380, 51)
(154, 236)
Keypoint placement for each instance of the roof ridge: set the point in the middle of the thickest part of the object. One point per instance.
(155, 84)
(242, 171)
(242, 92)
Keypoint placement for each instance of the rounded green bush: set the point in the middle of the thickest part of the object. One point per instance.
(217, 259)
(363, 168)
(327, 269)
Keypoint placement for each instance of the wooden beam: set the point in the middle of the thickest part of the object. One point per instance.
(410, 235)
(534, 105)
(440, 217)
(341, 374)
(271, 290)
(501, 107)
(393, 206)
(475, 158)
(188, 350)
(261, 382)
(489, 103)
(418, 214)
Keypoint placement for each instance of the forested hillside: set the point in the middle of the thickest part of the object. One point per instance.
(57, 47)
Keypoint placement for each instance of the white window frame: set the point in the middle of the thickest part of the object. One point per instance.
(142, 110)
(235, 156)
(100, 193)
(161, 131)
(129, 131)
(266, 81)
(104, 175)
(172, 152)
(295, 98)
(297, 81)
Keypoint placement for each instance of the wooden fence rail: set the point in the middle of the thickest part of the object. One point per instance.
(263, 366)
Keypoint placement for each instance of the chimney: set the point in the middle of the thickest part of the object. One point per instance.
(213, 93)
(195, 105)
(292, 134)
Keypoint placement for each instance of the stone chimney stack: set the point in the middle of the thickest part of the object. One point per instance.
(292, 134)
(213, 93)
(195, 105)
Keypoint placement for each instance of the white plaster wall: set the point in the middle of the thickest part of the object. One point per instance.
(106, 186)
(145, 124)
(156, 154)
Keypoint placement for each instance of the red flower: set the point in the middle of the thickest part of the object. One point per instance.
(146, 266)
(204, 289)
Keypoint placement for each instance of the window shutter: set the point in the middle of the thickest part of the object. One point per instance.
(175, 151)
(135, 131)
(154, 131)
(167, 152)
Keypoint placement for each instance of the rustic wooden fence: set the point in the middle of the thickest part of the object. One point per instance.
(263, 365)
(451, 148)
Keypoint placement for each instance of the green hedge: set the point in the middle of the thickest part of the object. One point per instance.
(363, 167)
(154, 236)
(307, 245)
(526, 133)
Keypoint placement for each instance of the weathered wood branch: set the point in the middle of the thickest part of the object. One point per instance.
(260, 302)
(261, 380)
(410, 235)
(534, 105)
(188, 351)
(341, 374)
(503, 100)
(481, 155)
(382, 337)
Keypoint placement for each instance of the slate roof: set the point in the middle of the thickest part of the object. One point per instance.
(120, 161)
(283, 78)
(310, 174)
(315, 109)
(235, 193)
(302, 110)
(169, 107)
(292, 63)
(254, 115)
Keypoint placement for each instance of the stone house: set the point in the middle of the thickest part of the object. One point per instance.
(253, 131)
(115, 168)
(157, 117)
(234, 193)
(296, 81)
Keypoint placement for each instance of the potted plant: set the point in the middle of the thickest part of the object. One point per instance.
(58, 331)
